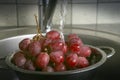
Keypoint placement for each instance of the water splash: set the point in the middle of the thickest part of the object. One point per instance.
(63, 10)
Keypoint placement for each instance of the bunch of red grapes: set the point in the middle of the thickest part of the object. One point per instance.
(51, 53)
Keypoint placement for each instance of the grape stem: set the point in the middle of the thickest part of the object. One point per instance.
(38, 27)
(39, 35)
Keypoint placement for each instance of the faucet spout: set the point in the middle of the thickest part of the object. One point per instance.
(48, 8)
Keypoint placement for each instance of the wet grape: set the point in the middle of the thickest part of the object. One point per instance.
(82, 62)
(19, 59)
(72, 60)
(76, 41)
(64, 49)
(60, 67)
(53, 34)
(85, 51)
(23, 45)
(57, 57)
(42, 60)
(75, 48)
(71, 36)
(34, 48)
(57, 44)
(48, 69)
(29, 65)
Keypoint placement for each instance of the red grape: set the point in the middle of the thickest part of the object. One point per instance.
(42, 60)
(42, 40)
(53, 34)
(76, 41)
(23, 45)
(29, 65)
(82, 62)
(72, 60)
(35, 48)
(19, 59)
(60, 67)
(71, 36)
(57, 44)
(75, 48)
(65, 48)
(48, 69)
(85, 51)
(57, 57)
(47, 42)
